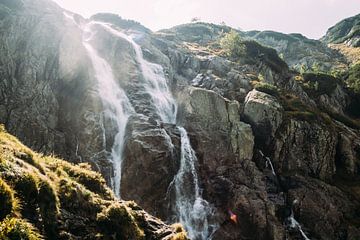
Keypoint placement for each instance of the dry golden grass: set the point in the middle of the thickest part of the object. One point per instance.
(352, 54)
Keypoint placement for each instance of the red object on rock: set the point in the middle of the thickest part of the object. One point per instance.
(233, 217)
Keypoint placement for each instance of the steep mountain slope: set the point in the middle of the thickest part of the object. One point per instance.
(191, 132)
(301, 53)
(346, 31)
(46, 196)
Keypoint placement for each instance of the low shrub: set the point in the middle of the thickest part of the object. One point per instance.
(251, 52)
(49, 208)
(90, 179)
(27, 192)
(76, 199)
(6, 200)
(295, 108)
(116, 220)
(267, 88)
(17, 229)
(317, 84)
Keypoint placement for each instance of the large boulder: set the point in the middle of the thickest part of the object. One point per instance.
(151, 160)
(207, 110)
(264, 112)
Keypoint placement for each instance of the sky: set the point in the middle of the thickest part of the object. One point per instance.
(311, 18)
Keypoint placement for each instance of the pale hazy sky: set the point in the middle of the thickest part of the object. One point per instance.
(309, 17)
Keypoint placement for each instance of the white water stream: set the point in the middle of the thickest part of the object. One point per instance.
(192, 210)
(268, 163)
(117, 107)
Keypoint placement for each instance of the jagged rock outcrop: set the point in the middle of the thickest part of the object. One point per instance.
(346, 31)
(306, 147)
(151, 162)
(207, 110)
(348, 151)
(264, 112)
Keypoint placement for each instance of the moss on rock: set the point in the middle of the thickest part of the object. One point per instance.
(64, 201)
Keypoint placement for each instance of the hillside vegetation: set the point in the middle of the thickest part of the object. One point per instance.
(43, 197)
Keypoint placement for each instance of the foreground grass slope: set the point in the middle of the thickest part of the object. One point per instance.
(43, 197)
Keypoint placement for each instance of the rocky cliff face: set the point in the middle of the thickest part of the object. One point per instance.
(270, 155)
(300, 52)
(347, 31)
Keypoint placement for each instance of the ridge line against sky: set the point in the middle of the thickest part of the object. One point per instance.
(311, 18)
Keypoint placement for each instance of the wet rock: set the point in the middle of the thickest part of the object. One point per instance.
(150, 163)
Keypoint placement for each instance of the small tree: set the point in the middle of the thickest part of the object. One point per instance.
(195, 19)
(232, 44)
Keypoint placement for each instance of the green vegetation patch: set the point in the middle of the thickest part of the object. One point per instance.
(116, 219)
(63, 200)
(18, 229)
(316, 84)
(6, 200)
(295, 108)
(267, 88)
(250, 52)
(353, 81)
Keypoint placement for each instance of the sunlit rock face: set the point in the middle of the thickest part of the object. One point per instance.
(51, 64)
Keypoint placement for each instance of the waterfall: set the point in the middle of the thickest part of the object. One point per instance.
(296, 224)
(268, 163)
(154, 81)
(117, 107)
(293, 223)
(192, 210)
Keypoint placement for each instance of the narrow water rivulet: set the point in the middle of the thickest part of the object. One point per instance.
(191, 209)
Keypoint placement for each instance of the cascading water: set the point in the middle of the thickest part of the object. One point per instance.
(268, 162)
(154, 81)
(292, 223)
(192, 210)
(117, 107)
(295, 224)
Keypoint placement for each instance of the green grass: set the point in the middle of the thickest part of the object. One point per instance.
(18, 229)
(27, 192)
(267, 88)
(316, 84)
(250, 52)
(52, 194)
(6, 200)
(296, 109)
(49, 208)
(117, 219)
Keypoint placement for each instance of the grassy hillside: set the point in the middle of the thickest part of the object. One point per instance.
(43, 197)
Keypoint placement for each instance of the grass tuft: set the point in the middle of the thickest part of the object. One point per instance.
(117, 220)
